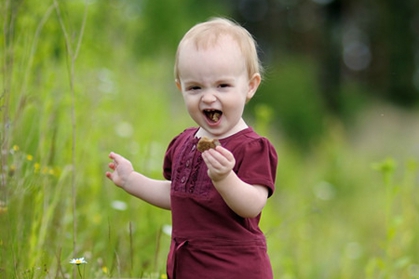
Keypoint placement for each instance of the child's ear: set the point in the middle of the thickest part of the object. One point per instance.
(253, 86)
(178, 85)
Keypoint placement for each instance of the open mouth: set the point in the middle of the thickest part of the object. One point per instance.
(213, 115)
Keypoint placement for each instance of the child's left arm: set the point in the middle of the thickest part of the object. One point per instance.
(244, 199)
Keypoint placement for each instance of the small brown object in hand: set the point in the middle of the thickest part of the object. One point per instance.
(205, 143)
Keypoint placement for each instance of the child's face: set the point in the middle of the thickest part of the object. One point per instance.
(215, 86)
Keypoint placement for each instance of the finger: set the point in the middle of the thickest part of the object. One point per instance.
(206, 157)
(217, 157)
(116, 157)
(225, 152)
(213, 159)
(112, 165)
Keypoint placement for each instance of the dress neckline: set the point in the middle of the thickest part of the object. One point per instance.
(244, 131)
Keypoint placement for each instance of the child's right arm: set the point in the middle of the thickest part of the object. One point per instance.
(155, 192)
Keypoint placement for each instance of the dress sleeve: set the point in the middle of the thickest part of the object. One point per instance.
(168, 159)
(256, 163)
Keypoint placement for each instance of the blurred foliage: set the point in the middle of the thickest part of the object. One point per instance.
(357, 51)
(341, 47)
(289, 90)
(165, 22)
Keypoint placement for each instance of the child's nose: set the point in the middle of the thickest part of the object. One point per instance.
(209, 97)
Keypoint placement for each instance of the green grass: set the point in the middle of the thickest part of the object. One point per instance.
(340, 210)
(337, 215)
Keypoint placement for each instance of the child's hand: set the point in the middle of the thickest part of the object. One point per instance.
(122, 168)
(220, 162)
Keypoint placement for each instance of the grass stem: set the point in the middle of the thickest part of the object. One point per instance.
(71, 58)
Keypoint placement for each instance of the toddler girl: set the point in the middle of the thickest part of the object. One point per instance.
(215, 197)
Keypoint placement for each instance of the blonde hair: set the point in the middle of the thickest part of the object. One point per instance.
(207, 33)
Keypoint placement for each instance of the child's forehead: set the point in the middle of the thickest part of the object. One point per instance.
(211, 42)
(212, 39)
(222, 53)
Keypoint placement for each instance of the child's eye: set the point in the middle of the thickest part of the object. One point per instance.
(224, 85)
(193, 88)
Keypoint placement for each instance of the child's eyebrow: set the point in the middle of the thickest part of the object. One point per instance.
(190, 82)
(226, 80)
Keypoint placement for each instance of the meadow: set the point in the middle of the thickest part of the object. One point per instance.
(348, 207)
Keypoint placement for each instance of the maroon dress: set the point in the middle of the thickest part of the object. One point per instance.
(209, 240)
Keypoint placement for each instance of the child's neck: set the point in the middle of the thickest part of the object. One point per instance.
(241, 125)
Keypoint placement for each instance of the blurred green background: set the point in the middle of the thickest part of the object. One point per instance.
(339, 100)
